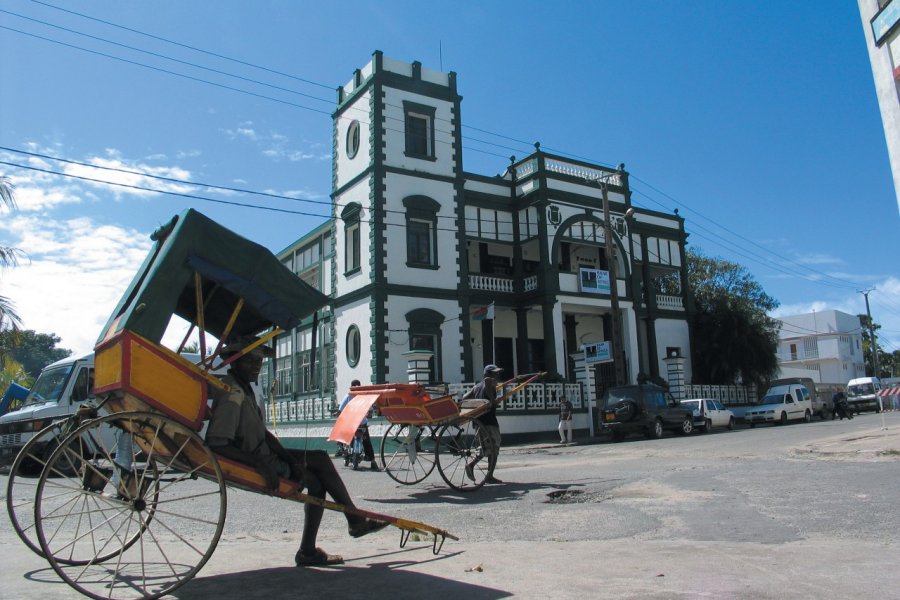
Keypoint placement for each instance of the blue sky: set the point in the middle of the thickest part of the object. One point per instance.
(757, 120)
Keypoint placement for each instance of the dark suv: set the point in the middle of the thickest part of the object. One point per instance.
(642, 408)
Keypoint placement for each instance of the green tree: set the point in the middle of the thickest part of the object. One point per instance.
(734, 339)
(9, 257)
(32, 350)
(12, 371)
(888, 363)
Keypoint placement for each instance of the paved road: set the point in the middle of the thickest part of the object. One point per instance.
(801, 511)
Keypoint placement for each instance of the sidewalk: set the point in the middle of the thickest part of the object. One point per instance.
(878, 443)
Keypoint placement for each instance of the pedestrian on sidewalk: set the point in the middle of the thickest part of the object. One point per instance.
(565, 421)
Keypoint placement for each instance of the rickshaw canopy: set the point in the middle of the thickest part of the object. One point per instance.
(230, 268)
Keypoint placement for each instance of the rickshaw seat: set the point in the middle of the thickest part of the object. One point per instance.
(141, 375)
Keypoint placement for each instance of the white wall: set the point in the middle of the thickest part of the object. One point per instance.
(395, 133)
(670, 332)
(398, 336)
(357, 314)
(348, 168)
(398, 187)
(359, 193)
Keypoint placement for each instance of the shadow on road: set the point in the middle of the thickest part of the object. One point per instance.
(359, 577)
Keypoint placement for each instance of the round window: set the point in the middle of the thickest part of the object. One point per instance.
(353, 139)
(353, 345)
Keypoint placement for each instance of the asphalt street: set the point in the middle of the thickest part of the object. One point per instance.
(796, 511)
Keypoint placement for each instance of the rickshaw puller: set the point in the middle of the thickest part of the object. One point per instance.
(237, 431)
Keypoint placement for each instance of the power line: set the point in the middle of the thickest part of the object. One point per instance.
(228, 87)
(330, 204)
(784, 269)
(189, 47)
(241, 62)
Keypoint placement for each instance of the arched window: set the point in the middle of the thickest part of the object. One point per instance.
(421, 232)
(350, 215)
(425, 334)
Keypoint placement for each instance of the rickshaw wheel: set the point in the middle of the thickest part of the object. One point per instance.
(461, 458)
(408, 452)
(21, 487)
(160, 533)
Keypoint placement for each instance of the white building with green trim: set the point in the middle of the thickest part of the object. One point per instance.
(418, 250)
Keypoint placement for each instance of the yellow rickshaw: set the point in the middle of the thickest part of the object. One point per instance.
(137, 514)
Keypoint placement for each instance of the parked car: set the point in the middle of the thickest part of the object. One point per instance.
(709, 413)
(642, 408)
(782, 403)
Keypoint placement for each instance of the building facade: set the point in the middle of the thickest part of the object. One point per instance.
(511, 269)
(825, 346)
(881, 25)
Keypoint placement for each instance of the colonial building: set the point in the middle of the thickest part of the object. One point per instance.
(511, 269)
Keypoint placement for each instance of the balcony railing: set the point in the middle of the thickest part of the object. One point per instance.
(670, 302)
(582, 172)
(789, 356)
(491, 283)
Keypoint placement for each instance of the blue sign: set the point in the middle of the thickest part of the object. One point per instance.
(885, 21)
(597, 353)
(594, 281)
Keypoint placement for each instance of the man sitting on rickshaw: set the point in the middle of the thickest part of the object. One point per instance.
(237, 431)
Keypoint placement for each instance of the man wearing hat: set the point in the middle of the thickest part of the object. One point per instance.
(237, 431)
(487, 390)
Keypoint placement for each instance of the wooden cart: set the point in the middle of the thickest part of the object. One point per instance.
(139, 517)
(429, 428)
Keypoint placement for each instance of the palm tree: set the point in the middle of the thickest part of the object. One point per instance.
(9, 257)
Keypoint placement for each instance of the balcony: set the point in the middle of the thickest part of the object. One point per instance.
(492, 283)
(669, 302)
(498, 283)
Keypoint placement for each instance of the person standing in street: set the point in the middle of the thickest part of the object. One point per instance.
(364, 426)
(565, 421)
(490, 426)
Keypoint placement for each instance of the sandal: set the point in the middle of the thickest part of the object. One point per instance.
(319, 559)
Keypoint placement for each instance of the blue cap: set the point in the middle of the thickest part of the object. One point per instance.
(492, 369)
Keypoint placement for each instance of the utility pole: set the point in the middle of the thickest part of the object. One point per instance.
(865, 293)
(618, 347)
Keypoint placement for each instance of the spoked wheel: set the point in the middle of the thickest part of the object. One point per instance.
(21, 487)
(158, 510)
(408, 452)
(461, 457)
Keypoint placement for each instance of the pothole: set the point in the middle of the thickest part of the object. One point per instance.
(573, 497)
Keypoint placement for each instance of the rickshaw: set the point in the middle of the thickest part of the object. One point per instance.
(429, 428)
(140, 516)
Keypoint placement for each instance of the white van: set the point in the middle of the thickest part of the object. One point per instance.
(862, 394)
(782, 403)
(60, 389)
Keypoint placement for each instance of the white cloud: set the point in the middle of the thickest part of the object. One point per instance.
(39, 191)
(77, 272)
(277, 146)
(117, 171)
